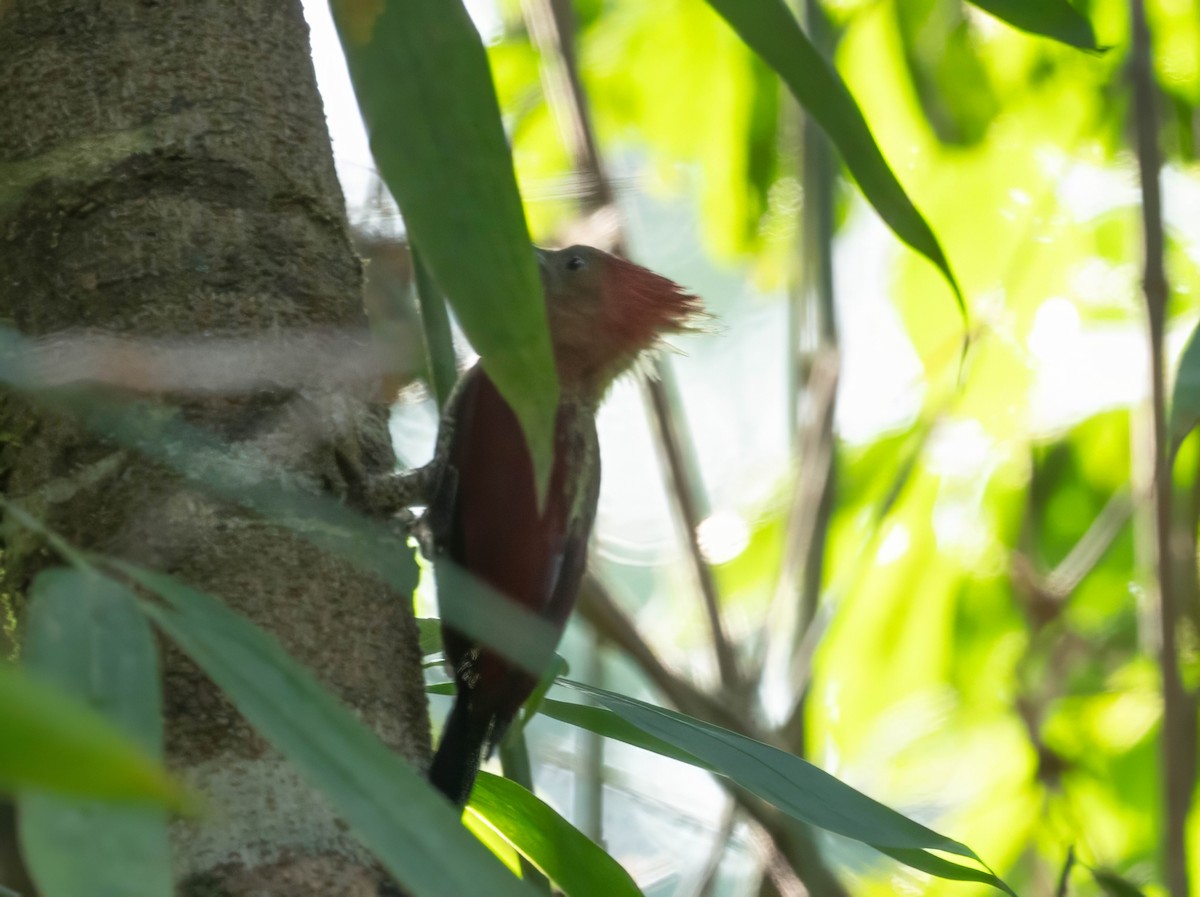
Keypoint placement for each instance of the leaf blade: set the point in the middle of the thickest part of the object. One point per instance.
(770, 29)
(424, 86)
(85, 634)
(1056, 19)
(410, 828)
(563, 853)
(799, 788)
(52, 742)
(1185, 395)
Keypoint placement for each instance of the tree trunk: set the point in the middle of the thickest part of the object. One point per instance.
(165, 174)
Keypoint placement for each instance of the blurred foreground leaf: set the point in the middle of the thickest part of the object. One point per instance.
(86, 635)
(423, 84)
(564, 854)
(53, 742)
(769, 28)
(798, 788)
(1114, 885)
(1185, 398)
(1057, 19)
(413, 831)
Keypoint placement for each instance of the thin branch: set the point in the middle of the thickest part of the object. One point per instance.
(1056, 586)
(1178, 767)
(793, 851)
(671, 442)
(597, 606)
(707, 880)
(1064, 880)
(808, 511)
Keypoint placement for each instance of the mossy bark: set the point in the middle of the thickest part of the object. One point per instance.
(165, 173)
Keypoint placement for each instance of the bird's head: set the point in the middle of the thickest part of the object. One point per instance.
(604, 312)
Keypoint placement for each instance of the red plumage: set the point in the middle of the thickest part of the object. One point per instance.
(603, 313)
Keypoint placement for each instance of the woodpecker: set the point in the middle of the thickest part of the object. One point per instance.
(603, 313)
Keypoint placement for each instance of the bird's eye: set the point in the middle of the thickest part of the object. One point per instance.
(576, 263)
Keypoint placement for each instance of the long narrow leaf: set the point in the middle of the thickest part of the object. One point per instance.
(606, 723)
(1116, 886)
(417, 836)
(1185, 398)
(85, 634)
(1057, 19)
(801, 790)
(54, 742)
(567, 856)
(769, 28)
(435, 322)
(423, 84)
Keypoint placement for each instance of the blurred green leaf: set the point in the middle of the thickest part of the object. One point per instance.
(533, 704)
(1050, 18)
(771, 30)
(800, 789)
(85, 634)
(606, 723)
(943, 60)
(1115, 886)
(423, 84)
(430, 629)
(564, 854)
(415, 834)
(435, 322)
(52, 742)
(1185, 398)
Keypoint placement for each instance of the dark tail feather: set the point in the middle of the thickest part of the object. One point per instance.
(457, 759)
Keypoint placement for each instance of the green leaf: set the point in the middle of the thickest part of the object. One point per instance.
(435, 323)
(563, 853)
(477, 610)
(556, 670)
(430, 629)
(413, 831)
(798, 788)
(54, 742)
(86, 635)
(606, 723)
(769, 28)
(423, 84)
(1050, 18)
(1185, 398)
(1114, 885)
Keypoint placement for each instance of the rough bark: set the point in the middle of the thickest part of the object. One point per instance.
(165, 173)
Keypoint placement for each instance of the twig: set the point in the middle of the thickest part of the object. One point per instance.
(665, 422)
(1057, 585)
(794, 847)
(1178, 767)
(807, 514)
(707, 879)
(1064, 879)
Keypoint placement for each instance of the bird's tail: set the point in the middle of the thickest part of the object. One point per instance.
(457, 759)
